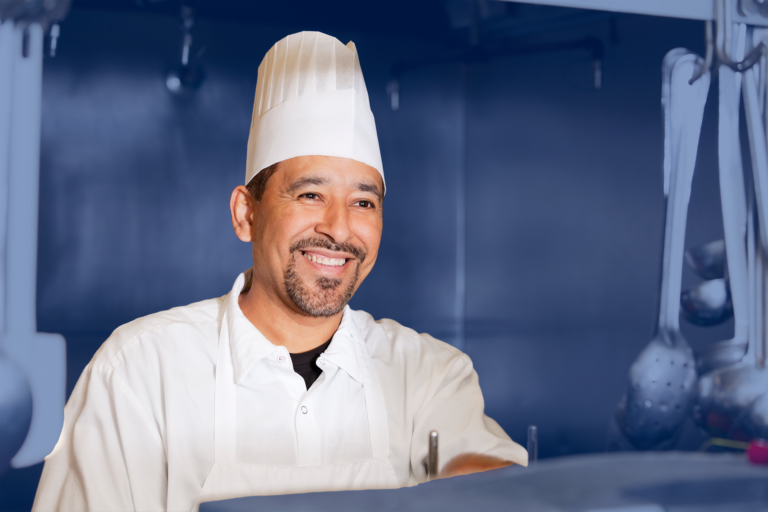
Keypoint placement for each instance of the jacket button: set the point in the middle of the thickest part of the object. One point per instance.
(304, 409)
(280, 358)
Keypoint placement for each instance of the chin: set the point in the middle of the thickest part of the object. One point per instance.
(320, 296)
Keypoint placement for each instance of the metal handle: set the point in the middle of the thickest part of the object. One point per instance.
(432, 456)
(23, 180)
(757, 144)
(732, 195)
(683, 108)
(723, 18)
(533, 445)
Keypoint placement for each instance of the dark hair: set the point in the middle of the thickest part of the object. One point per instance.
(258, 183)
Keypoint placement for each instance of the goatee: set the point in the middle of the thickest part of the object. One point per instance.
(328, 298)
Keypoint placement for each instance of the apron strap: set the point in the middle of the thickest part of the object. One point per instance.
(225, 416)
(378, 426)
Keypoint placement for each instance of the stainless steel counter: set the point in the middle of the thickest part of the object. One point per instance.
(616, 482)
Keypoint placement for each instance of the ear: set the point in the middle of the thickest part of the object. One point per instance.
(241, 208)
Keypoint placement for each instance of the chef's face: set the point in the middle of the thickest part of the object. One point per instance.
(316, 231)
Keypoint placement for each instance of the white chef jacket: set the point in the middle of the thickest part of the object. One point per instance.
(139, 427)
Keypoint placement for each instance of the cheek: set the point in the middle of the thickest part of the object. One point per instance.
(368, 231)
(282, 227)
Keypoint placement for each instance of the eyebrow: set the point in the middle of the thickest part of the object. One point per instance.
(307, 180)
(317, 181)
(368, 187)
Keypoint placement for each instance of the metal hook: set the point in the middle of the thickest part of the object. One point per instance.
(750, 60)
(706, 64)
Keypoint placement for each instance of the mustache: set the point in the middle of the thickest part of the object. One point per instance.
(321, 243)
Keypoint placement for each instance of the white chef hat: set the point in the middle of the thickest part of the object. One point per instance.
(311, 100)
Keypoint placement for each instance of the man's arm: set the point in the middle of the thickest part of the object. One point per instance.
(110, 455)
(468, 463)
(470, 441)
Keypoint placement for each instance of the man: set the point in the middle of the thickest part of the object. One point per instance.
(278, 387)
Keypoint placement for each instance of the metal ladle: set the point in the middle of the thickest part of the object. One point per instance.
(728, 394)
(753, 423)
(708, 303)
(708, 260)
(734, 210)
(662, 378)
(732, 400)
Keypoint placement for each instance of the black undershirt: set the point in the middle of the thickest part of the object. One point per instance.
(305, 363)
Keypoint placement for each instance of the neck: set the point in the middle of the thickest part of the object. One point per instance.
(281, 324)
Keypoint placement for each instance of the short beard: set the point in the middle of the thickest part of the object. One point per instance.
(328, 300)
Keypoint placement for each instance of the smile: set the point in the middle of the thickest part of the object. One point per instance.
(321, 260)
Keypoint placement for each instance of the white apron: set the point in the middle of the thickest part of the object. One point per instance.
(231, 479)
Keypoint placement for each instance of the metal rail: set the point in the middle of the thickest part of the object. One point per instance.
(746, 11)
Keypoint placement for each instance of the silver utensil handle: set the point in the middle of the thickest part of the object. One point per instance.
(432, 456)
(732, 191)
(683, 110)
(533, 445)
(23, 180)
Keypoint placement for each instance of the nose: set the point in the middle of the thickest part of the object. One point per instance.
(335, 223)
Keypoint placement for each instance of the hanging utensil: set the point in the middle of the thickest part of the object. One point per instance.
(40, 356)
(726, 394)
(734, 211)
(755, 421)
(732, 400)
(708, 260)
(662, 378)
(707, 304)
(533, 445)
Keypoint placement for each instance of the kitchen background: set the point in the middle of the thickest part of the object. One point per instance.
(523, 216)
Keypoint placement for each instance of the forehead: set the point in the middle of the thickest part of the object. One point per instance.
(332, 171)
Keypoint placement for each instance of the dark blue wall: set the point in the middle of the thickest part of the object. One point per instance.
(564, 227)
(562, 188)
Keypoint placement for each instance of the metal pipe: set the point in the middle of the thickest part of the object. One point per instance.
(533, 445)
(460, 304)
(24, 178)
(432, 461)
(6, 93)
(687, 9)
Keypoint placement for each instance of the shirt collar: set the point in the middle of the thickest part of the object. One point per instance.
(248, 345)
(344, 351)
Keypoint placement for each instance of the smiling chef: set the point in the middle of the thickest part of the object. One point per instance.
(278, 387)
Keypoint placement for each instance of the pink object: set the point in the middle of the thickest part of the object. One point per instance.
(757, 453)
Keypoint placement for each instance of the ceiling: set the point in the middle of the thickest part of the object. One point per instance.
(453, 22)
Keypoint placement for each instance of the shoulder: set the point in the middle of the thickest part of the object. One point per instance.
(200, 319)
(391, 340)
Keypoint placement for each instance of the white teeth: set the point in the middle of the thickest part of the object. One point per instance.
(330, 262)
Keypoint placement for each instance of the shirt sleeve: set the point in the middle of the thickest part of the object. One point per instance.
(456, 412)
(110, 454)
